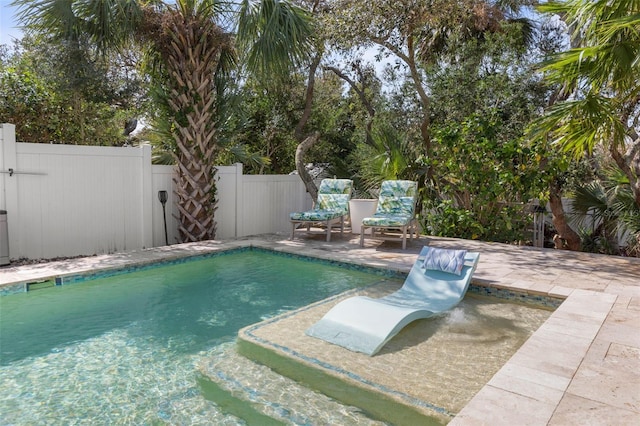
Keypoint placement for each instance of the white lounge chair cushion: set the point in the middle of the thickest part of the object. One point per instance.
(444, 260)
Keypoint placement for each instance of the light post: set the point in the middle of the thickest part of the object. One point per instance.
(163, 196)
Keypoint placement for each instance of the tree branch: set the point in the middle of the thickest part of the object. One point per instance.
(361, 94)
(308, 103)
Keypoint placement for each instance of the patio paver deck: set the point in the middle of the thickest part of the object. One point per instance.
(582, 366)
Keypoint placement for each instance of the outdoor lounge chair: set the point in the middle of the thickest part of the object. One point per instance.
(363, 324)
(330, 209)
(396, 210)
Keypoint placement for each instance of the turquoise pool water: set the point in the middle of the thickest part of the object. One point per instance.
(124, 349)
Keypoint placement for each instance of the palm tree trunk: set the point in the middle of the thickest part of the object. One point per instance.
(191, 50)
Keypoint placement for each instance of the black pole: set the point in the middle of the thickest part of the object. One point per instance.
(163, 196)
(164, 215)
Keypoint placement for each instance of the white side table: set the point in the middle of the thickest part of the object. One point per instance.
(359, 208)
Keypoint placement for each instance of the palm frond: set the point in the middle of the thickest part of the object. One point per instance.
(590, 197)
(275, 35)
(527, 29)
(227, 62)
(242, 154)
(109, 22)
(579, 125)
(202, 8)
(559, 8)
(52, 16)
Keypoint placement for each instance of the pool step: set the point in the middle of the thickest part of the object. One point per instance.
(227, 402)
(248, 384)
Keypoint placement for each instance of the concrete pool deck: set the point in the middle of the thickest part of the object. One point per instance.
(582, 366)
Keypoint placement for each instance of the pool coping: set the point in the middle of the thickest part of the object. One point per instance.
(580, 365)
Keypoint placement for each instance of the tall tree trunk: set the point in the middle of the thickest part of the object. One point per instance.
(425, 101)
(408, 56)
(566, 238)
(629, 163)
(307, 142)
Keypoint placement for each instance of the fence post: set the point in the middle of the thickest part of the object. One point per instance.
(9, 184)
(147, 198)
(240, 214)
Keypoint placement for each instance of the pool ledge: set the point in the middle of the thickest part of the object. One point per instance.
(266, 343)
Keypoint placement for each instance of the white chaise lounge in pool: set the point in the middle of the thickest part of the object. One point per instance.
(436, 283)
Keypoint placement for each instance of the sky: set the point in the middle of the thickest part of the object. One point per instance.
(8, 23)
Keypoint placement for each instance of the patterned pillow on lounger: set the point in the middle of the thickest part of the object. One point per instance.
(444, 260)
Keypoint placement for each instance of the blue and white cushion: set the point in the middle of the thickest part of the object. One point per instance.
(444, 260)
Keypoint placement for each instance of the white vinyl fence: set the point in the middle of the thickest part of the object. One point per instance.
(67, 200)
(257, 204)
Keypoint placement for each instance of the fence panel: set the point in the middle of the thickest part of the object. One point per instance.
(256, 204)
(84, 200)
(67, 200)
(268, 200)
(227, 180)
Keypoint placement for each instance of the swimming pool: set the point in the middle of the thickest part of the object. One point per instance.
(124, 349)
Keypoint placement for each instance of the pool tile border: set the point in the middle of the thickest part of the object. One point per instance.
(74, 278)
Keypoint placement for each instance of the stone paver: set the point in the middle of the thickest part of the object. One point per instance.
(582, 366)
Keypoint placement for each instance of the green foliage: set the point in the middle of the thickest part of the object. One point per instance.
(392, 154)
(271, 52)
(580, 125)
(603, 208)
(55, 94)
(506, 224)
(263, 115)
(44, 116)
(597, 110)
(484, 95)
(484, 182)
(24, 99)
(262, 121)
(444, 219)
(599, 78)
(471, 157)
(494, 75)
(334, 114)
